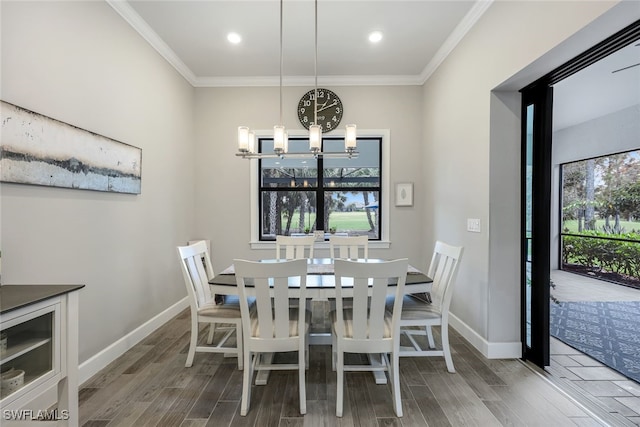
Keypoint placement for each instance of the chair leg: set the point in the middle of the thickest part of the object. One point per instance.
(432, 343)
(239, 346)
(445, 348)
(394, 374)
(306, 361)
(212, 331)
(246, 384)
(333, 352)
(302, 382)
(339, 383)
(193, 342)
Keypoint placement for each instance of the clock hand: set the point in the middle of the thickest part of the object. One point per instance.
(322, 106)
(328, 106)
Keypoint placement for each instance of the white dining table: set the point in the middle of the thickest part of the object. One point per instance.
(321, 283)
(320, 287)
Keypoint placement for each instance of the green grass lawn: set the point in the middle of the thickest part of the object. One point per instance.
(339, 220)
(628, 226)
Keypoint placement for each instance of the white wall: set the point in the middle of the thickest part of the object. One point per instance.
(81, 63)
(223, 209)
(472, 155)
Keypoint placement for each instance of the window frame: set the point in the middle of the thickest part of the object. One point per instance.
(254, 193)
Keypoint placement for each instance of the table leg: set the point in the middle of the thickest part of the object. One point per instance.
(262, 377)
(376, 360)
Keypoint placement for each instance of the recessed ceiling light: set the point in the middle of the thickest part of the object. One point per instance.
(234, 38)
(375, 37)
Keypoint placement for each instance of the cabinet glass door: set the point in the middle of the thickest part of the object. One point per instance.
(27, 351)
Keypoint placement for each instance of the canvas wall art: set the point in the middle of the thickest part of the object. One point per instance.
(39, 150)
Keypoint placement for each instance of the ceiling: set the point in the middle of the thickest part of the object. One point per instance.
(192, 35)
(417, 37)
(609, 85)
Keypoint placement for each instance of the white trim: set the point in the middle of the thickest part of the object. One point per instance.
(94, 364)
(490, 350)
(306, 81)
(469, 20)
(385, 134)
(373, 244)
(140, 25)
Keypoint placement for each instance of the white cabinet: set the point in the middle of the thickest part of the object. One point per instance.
(39, 327)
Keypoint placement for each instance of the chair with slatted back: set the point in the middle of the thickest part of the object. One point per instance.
(416, 312)
(276, 325)
(294, 247)
(349, 247)
(196, 269)
(366, 325)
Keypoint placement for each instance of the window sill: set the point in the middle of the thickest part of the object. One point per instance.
(375, 244)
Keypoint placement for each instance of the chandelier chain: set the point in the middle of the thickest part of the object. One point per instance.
(281, 61)
(315, 65)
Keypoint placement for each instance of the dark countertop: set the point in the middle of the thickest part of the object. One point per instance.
(13, 297)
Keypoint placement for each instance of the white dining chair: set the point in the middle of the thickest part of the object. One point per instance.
(416, 312)
(349, 247)
(294, 247)
(196, 270)
(276, 325)
(367, 325)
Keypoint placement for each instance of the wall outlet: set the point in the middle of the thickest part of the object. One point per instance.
(473, 225)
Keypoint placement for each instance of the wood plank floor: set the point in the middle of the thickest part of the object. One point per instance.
(149, 386)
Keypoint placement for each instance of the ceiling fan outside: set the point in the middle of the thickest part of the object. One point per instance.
(628, 66)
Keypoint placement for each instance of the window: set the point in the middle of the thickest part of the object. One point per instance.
(297, 196)
(601, 217)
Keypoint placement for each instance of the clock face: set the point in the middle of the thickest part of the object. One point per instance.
(329, 109)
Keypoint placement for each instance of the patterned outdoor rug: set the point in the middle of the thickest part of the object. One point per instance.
(607, 331)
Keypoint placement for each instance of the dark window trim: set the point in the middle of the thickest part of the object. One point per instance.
(320, 189)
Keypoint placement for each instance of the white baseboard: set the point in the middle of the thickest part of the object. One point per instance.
(490, 350)
(91, 366)
(94, 364)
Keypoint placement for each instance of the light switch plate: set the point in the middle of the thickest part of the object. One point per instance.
(473, 225)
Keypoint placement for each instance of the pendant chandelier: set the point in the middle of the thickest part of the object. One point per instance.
(247, 138)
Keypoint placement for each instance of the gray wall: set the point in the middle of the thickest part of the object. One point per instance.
(471, 156)
(223, 210)
(80, 63)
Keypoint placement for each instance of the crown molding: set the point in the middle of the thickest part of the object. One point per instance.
(123, 8)
(137, 23)
(469, 20)
(255, 81)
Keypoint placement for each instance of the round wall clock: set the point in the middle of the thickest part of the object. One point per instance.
(329, 109)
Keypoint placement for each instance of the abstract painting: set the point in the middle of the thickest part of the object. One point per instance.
(39, 150)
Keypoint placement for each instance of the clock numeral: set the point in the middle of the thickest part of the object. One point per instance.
(337, 110)
(302, 110)
(306, 103)
(305, 119)
(335, 119)
(328, 125)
